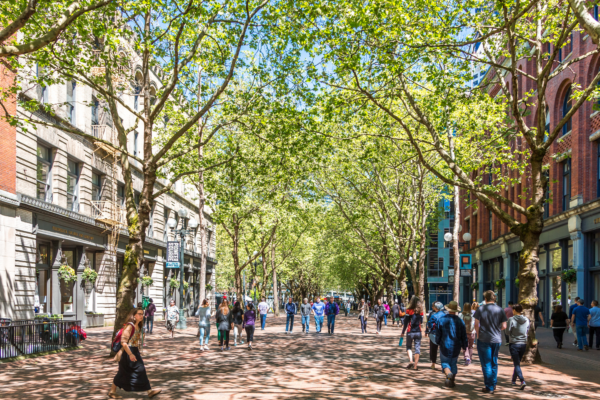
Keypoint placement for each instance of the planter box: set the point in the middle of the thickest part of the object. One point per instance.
(94, 320)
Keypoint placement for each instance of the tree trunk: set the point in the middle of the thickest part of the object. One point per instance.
(238, 286)
(528, 281)
(275, 283)
(201, 203)
(455, 248)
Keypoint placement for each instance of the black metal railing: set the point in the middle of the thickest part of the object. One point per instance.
(24, 337)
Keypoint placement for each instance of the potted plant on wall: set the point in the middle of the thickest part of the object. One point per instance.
(208, 288)
(500, 283)
(146, 281)
(173, 284)
(89, 277)
(67, 277)
(569, 276)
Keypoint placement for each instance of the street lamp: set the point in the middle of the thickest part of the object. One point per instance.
(183, 232)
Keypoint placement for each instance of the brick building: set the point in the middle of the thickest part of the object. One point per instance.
(571, 236)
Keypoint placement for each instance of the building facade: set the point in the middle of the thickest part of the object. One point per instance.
(53, 186)
(571, 236)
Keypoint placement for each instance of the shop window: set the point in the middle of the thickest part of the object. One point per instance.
(556, 290)
(555, 251)
(72, 186)
(542, 261)
(566, 195)
(96, 187)
(570, 253)
(71, 101)
(597, 250)
(566, 107)
(42, 254)
(66, 298)
(44, 174)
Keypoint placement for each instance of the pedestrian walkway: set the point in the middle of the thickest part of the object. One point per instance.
(347, 365)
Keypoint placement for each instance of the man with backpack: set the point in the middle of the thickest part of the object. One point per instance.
(431, 331)
(332, 311)
(451, 337)
(290, 309)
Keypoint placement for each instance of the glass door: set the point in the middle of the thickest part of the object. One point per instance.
(66, 295)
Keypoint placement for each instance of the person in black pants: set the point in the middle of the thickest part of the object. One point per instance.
(430, 330)
(558, 323)
(379, 315)
(412, 322)
(517, 329)
(225, 323)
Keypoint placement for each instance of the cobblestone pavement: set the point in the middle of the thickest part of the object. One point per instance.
(348, 365)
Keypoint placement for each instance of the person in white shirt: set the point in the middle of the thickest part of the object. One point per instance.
(263, 308)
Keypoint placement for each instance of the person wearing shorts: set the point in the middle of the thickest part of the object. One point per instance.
(412, 327)
(172, 317)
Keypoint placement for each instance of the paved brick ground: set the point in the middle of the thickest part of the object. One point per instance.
(348, 365)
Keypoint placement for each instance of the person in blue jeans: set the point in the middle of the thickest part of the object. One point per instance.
(318, 309)
(305, 310)
(332, 311)
(594, 322)
(490, 321)
(571, 308)
(451, 336)
(579, 320)
(290, 309)
(263, 309)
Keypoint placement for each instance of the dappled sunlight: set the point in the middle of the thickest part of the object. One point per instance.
(300, 366)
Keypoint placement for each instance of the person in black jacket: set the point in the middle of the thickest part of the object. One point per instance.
(379, 315)
(558, 323)
(290, 310)
(224, 319)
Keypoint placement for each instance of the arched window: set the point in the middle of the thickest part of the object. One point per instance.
(567, 103)
(596, 13)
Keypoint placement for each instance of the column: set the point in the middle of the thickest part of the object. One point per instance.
(79, 295)
(55, 290)
(578, 253)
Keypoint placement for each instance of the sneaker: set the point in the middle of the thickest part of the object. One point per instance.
(579, 349)
(228, 348)
(468, 362)
(235, 345)
(575, 343)
(249, 347)
(586, 348)
(205, 347)
(560, 345)
(201, 348)
(242, 341)
(523, 384)
(514, 383)
(486, 390)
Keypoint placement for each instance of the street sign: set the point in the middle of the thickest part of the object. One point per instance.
(450, 279)
(465, 262)
(172, 265)
(173, 249)
(450, 271)
(465, 272)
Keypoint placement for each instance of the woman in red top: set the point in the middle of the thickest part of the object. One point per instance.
(412, 323)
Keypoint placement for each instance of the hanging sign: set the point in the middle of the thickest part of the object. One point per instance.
(173, 249)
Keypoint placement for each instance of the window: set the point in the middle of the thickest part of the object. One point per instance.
(598, 174)
(41, 89)
(491, 226)
(135, 143)
(542, 260)
(166, 228)
(136, 90)
(547, 195)
(565, 110)
(95, 111)
(596, 13)
(71, 102)
(121, 196)
(43, 174)
(96, 187)
(136, 199)
(547, 123)
(566, 184)
(72, 186)
(555, 251)
(150, 232)
(567, 49)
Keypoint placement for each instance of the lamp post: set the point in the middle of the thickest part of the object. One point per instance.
(193, 224)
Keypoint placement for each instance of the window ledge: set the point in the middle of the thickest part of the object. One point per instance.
(595, 135)
(563, 137)
(592, 115)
